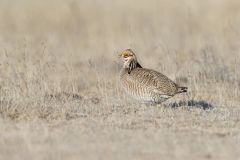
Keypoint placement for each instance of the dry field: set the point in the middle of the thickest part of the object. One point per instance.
(60, 96)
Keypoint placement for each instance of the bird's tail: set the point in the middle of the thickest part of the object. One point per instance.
(182, 89)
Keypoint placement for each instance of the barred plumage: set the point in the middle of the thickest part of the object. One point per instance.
(146, 85)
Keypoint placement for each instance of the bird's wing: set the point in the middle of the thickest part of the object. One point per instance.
(155, 80)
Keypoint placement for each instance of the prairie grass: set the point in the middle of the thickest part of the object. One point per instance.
(60, 97)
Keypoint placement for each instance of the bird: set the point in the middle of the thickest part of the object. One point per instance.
(145, 85)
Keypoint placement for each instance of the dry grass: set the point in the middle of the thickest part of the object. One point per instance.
(59, 91)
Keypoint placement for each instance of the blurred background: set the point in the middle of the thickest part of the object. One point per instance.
(104, 27)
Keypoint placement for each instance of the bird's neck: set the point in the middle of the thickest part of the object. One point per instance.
(131, 65)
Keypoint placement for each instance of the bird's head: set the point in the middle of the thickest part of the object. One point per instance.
(127, 56)
(129, 59)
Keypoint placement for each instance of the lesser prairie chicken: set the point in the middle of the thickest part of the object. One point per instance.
(146, 85)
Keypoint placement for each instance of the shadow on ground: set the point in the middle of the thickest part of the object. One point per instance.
(192, 103)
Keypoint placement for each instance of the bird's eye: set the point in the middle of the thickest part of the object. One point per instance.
(125, 56)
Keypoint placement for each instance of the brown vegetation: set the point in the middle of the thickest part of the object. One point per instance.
(59, 92)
